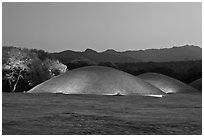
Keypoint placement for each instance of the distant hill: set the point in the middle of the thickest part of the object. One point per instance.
(92, 56)
(183, 53)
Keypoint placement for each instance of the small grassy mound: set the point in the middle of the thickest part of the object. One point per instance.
(166, 83)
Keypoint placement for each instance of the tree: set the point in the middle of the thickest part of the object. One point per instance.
(23, 69)
(41, 71)
(15, 63)
(41, 54)
(54, 67)
(38, 73)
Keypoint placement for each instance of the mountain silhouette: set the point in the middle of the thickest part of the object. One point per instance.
(92, 56)
(183, 53)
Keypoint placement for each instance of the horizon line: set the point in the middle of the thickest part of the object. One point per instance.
(174, 46)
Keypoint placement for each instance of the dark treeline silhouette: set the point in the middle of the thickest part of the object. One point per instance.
(185, 71)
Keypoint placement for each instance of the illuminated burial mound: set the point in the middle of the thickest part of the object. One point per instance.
(166, 83)
(97, 80)
(197, 84)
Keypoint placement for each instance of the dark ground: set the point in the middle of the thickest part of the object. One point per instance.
(92, 114)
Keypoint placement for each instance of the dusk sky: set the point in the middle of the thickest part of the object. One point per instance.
(101, 26)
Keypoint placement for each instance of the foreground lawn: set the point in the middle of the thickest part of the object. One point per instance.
(93, 114)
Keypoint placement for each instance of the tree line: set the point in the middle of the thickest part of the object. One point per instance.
(185, 71)
(24, 68)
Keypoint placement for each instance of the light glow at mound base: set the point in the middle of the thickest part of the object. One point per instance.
(97, 80)
(156, 96)
(166, 83)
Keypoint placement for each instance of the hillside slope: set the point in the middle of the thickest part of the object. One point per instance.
(183, 53)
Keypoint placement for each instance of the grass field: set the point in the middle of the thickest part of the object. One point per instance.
(94, 114)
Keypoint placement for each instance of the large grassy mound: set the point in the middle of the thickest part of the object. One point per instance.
(197, 84)
(97, 80)
(166, 83)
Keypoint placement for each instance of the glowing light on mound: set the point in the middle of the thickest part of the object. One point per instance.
(97, 80)
(166, 83)
(157, 96)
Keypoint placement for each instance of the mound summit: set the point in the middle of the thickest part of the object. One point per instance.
(97, 80)
(166, 83)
